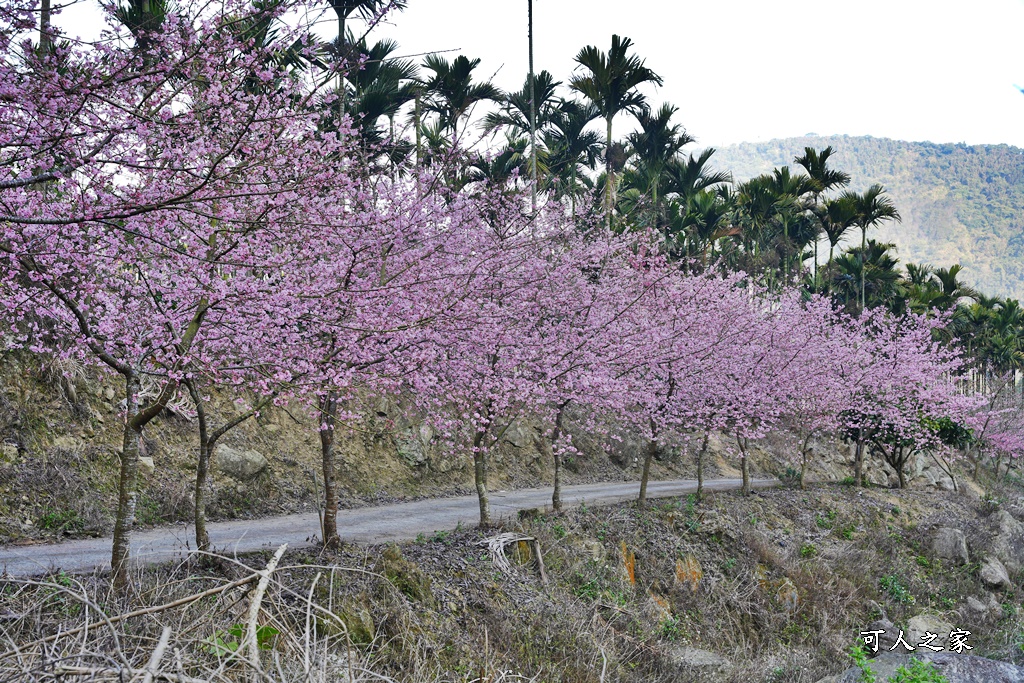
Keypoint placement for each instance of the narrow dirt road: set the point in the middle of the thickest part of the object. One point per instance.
(399, 522)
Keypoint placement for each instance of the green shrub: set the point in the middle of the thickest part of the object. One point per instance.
(808, 550)
(825, 521)
(895, 589)
(61, 521)
(860, 659)
(918, 672)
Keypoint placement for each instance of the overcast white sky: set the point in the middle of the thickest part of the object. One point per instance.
(745, 70)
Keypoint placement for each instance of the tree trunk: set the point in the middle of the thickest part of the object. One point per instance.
(700, 465)
(745, 466)
(608, 176)
(480, 475)
(858, 461)
(572, 192)
(652, 449)
(342, 94)
(419, 145)
(202, 472)
(126, 494)
(533, 119)
(328, 416)
(480, 467)
(804, 452)
(863, 247)
(556, 433)
(44, 28)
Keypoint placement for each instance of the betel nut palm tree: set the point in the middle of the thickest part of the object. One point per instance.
(610, 83)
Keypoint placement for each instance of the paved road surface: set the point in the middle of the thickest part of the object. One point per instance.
(399, 522)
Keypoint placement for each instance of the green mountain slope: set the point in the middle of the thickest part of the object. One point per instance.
(960, 204)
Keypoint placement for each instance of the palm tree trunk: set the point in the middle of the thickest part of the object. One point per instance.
(533, 115)
(419, 143)
(815, 263)
(572, 193)
(44, 28)
(342, 95)
(863, 247)
(608, 175)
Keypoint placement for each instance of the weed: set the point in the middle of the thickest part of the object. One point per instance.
(847, 531)
(587, 589)
(61, 521)
(669, 628)
(729, 564)
(421, 538)
(847, 481)
(224, 643)
(790, 475)
(808, 550)
(827, 520)
(990, 504)
(918, 672)
(559, 530)
(860, 660)
(442, 537)
(923, 561)
(895, 510)
(895, 589)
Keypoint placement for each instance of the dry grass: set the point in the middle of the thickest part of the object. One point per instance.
(191, 629)
(442, 609)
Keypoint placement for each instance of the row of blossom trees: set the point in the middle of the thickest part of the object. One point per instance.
(173, 210)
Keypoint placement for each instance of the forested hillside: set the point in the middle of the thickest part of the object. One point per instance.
(960, 203)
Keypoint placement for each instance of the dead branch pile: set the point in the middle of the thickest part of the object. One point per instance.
(253, 629)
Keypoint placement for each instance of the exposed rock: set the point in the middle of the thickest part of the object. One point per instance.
(8, 452)
(983, 609)
(67, 443)
(147, 466)
(241, 465)
(108, 393)
(993, 574)
(921, 625)
(1008, 541)
(886, 639)
(519, 434)
(697, 658)
(413, 444)
(950, 544)
(956, 668)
